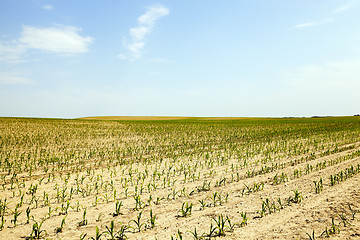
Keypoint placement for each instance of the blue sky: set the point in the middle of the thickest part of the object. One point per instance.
(259, 58)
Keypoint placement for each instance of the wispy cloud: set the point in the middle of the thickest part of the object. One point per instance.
(342, 8)
(10, 78)
(312, 24)
(48, 7)
(59, 39)
(11, 52)
(345, 7)
(137, 34)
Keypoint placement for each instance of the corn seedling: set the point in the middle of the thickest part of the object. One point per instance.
(64, 208)
(98, 219)
(214, 198)
(196, 235)
(117, 209)
(16, 215)
(318, 185)
(212, 231)
(231, 225)
(138, 203)
(110, 230)
(344, 219)
(60, 229)
(158, 199)
(97, 234)
(152, 219)
(82, 236)
(244, 219)
(84, 221)
(138, 223)
(333, 229)
(202, 203)
(120, 235)
(2, 224)
(353, 212)
(220, 225)
(37, 232)
(185, 210)
(297, 197)
(311, 236)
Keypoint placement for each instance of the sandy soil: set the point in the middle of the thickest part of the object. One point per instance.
(293, 221)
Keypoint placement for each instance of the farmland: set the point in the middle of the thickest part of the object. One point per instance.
(180, 178)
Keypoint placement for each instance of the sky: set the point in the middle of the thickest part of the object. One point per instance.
(232, 58)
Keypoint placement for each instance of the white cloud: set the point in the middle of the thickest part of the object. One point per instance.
(136, 49)
(48, 7)
(139, 33)
(146, 23)
(11, 52)
(7, 78)
(311, 24)
(345, 7)
(153, 13)
(59, 39)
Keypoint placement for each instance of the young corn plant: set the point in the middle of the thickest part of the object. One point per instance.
(110, 230)
(344, 219)
(318, 185)
(60, 229)
(83, 236)
(152, 219)
(158, 199)
(214, 198)
(117, 209)
(263, 210)
(281, 204)
(16, 215)
(185, 210)
(50, 211)
(205, 187)
(231, 225)
(297, 198)
(353, 212)
(37, 232)
(64, 208)
(120, 235)
(311, 236)
(196, 235)
(244, 219)
(325, 233)
(333, 229)
(279, 178)
(178, 236)
(98, 219)
(138, 223)
(202, 203)
(97, 234)
(212, 231)
(2, 224)
(138, 203)
(27, 215)
(220, 226)
(84, 221)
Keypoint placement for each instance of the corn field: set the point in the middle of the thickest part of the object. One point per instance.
(195, 178)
